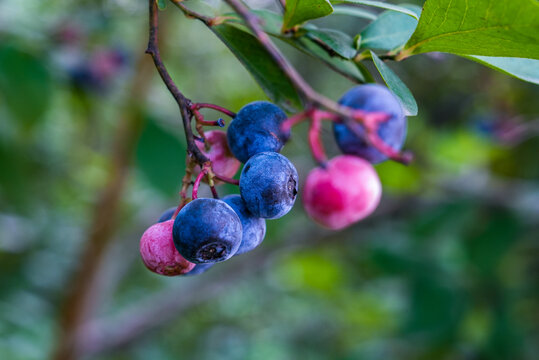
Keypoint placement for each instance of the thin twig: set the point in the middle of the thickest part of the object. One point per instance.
(348, 115)
(183, 102)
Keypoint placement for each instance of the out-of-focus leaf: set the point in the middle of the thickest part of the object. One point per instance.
(523, 69)
(395, 84)
(479, 27)
(337, 41)
(354, 11)
(161, 158)
(262, 67)
(382, 5)
(390, 30)
(162, 4)
(486, 245)
(299, 11)
(398, 178)
(436, 307)
(25, 84)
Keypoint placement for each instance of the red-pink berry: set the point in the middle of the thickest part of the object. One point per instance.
(346, 191)
(223, 162)
(158, 251)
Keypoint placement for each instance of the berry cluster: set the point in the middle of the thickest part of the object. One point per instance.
(190, 239)
(200, 232)
(347, 189)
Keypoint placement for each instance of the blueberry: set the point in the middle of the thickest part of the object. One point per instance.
(199, 269)
(269, 185)
(254, 228)
(255, 129)
(207, 231)
(167, 215)
(372, 98)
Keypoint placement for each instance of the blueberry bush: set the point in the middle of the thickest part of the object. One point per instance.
(146, 145)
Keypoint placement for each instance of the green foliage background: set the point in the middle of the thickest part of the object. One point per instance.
(446, 269)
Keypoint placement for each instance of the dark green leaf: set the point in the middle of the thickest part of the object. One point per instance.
(344, 67)
(299, 11)
(390, 31)
(337, 41)
(354, 11)
(262, 67)
(478, 27)
(396, 86)
(380, 4)
(271, 23)
(161, 158)
(25, 84)
(523, 69)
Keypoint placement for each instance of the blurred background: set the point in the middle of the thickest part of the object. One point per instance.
(92, 151)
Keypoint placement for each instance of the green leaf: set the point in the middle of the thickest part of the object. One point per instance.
(380, 4)
(25, 84)
(271, 23)
(260, 65)
(396, 86)
(390, 31)
(339, 42)
(478, 27)
(523, 69)
(160, 157)
(354, 11)
(161, 4)
(299, 11)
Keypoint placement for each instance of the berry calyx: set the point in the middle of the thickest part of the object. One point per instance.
(345, 191)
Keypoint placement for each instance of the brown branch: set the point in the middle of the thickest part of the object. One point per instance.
(183, 103)
(192, 14)
(81, 294)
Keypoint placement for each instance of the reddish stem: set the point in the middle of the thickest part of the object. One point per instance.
(201, 174)
(198, 106)
(200, 119)
(317, 148)
(294, 120)
(372, 121)
(214, 192)
(227, 179)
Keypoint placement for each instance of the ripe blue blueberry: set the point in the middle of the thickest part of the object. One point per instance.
(269, 185)
(199, 269)
(254, 228)
(372, 98)
(255, 129)
(167, 214)
(207, 231)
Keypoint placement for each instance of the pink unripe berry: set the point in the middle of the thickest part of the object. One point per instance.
(346, 191)
(158, 251)
(223, 162)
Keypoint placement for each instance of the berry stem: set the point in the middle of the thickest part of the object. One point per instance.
(201, 174)
(200, 118)
(292, 121)
(227, 179)
(317, 149)
(197, 106)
